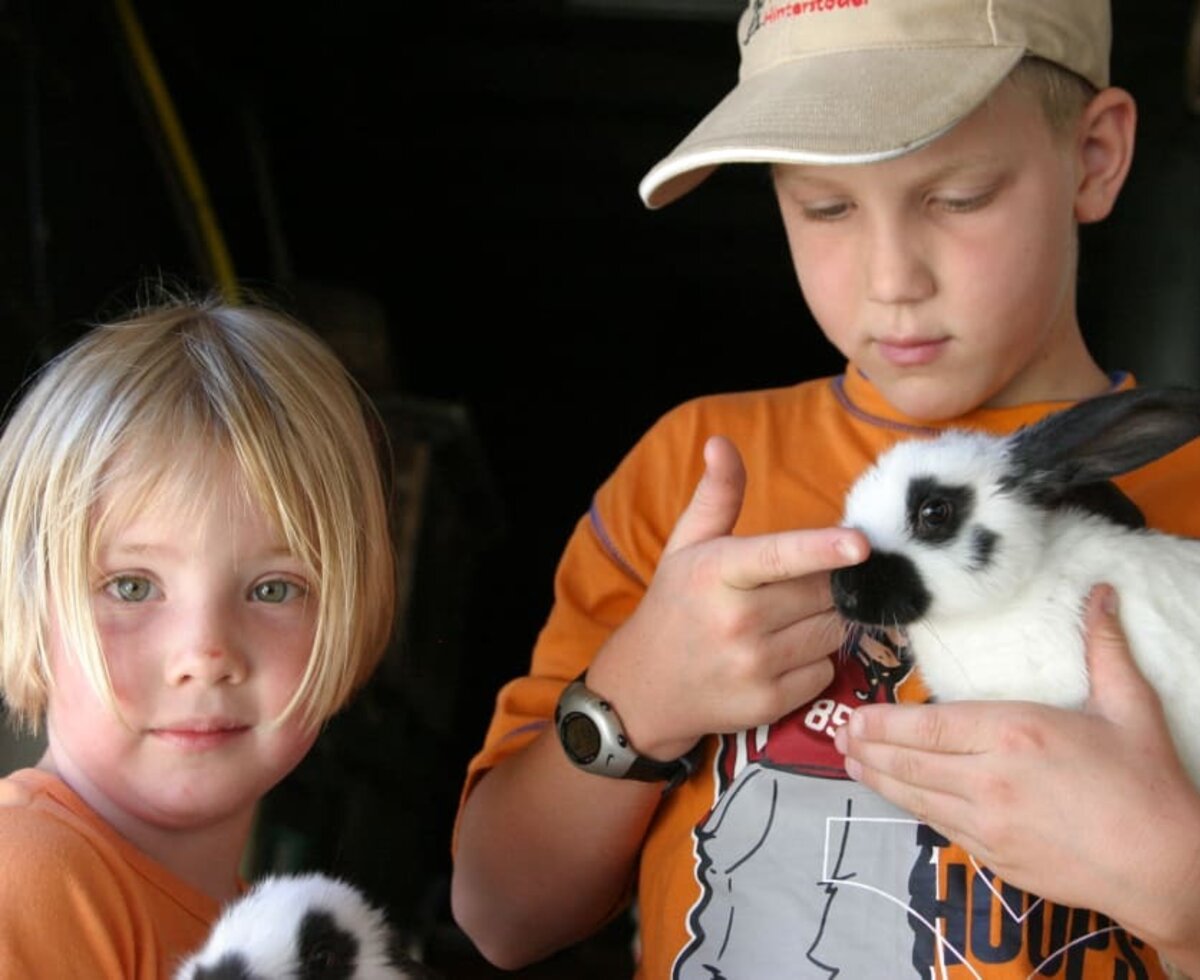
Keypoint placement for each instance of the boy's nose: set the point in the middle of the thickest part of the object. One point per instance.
(896, 268)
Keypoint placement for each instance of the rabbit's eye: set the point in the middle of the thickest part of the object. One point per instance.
(934, 514)
(936, 511)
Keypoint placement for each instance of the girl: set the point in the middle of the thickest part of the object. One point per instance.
(195, 573)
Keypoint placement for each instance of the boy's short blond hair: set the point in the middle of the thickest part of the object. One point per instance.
(1063, 95)
(157, 402)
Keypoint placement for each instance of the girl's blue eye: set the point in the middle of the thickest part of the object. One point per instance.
(276, 590)
(131, 588)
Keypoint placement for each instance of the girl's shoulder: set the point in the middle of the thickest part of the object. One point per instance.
(37, 833)
(14, 793)
(46, 828)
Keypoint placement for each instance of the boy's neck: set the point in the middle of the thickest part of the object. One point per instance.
(1067, 372)
(1062, 373)
(868, 401)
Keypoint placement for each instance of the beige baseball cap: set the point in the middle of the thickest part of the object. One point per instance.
(856, 81)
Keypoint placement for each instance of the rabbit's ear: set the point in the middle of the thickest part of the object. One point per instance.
(1100, 438)
(1104, 498)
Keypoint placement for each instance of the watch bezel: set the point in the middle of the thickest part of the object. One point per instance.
(614, 757)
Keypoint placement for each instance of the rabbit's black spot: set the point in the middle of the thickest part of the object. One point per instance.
(884, 590)
(983, 546)
(1105, 499)
(327, 951)
(936, 511)
(231, 966)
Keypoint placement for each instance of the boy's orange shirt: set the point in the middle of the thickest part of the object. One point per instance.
(77, 900)
(770, 857)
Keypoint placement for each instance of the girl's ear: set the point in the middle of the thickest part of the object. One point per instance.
(1104, 151)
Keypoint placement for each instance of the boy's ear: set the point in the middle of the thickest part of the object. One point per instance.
(1104, 150)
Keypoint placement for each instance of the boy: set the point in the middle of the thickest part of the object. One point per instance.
(932, 161)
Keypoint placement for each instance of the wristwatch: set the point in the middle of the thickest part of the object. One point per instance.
(594, 739)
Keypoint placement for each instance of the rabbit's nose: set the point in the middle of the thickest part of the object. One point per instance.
(845, 591)
(886, 588)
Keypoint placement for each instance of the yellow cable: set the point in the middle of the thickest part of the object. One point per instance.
(177, 143)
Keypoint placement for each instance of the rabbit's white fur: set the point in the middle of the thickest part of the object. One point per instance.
(261, 931)
(984, 549)
(992, 598)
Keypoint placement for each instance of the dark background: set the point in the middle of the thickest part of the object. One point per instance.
(448, 191)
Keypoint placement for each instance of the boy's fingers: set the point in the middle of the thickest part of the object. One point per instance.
(753, 561)
(791, 554)
(717, 500)
(955, 728)
(1114, 677)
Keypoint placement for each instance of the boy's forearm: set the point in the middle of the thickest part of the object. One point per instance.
(1172, 915)
(545, 853)
(1184, 956)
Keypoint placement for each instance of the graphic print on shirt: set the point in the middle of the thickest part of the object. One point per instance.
(805, 874)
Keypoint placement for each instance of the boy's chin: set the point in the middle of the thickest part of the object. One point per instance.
(931, 399)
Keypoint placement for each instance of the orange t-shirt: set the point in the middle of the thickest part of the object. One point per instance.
(770, 862)
(79, 901)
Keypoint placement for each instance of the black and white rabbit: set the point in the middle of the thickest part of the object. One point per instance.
(983, 548)
(307, 926)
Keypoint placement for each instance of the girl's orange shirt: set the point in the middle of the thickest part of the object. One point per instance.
(77, 900)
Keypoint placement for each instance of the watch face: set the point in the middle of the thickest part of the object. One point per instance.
(580, 737)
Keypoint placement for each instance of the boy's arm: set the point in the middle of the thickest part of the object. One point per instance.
(545, 854)
(1088, 808)
(737, 630)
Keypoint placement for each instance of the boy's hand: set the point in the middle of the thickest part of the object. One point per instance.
(1089, 808)
(732, 632)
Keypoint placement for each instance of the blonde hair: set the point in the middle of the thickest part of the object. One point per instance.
(154, 402)
(1063, 95)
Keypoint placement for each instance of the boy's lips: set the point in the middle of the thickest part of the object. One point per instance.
(910, 352)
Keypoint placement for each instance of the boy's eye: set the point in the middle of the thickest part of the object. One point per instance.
(130, 588)
(961, 204)
(830, 211)
(276, 590)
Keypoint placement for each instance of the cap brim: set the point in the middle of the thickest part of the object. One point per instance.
(842, 107)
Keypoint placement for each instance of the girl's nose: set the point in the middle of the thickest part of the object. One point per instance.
(208, 652)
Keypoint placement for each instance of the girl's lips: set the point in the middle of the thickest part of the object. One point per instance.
(910, 353)
(200, 737)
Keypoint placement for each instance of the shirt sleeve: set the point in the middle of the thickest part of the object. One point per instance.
(601, 577)
(63, 912)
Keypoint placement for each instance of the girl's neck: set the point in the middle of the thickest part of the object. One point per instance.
(207, 858)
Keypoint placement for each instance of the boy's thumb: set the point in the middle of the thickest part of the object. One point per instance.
(717, 500)
(1117, 686)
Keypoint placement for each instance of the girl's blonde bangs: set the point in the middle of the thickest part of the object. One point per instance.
(167, 404)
